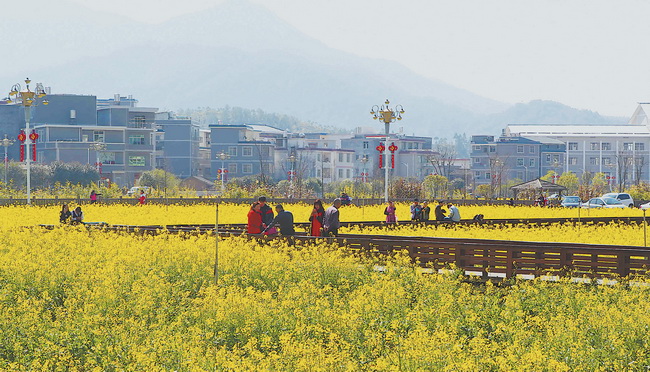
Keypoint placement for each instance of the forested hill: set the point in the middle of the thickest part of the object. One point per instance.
(239, 115)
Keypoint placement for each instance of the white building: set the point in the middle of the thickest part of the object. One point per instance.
(621, 152)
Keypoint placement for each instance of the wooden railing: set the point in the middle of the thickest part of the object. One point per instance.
(482, 257)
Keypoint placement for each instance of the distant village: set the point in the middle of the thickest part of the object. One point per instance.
(124, 140)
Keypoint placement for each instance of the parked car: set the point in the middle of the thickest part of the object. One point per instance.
(603, 203)
(626, 199)
(645, 206)
(571, 202)
(135, 190)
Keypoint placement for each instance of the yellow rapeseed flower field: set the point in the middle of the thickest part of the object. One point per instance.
(74, 299)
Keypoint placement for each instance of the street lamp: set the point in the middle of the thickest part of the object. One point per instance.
(223, 156)
(387, 115)
(98, 147)
(292, 172)
(364, 173)
(6, 142)
(28, 99)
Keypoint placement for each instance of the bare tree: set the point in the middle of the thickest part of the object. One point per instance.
(498, 165)
(639, 165)
(624, 162)
(442, 159)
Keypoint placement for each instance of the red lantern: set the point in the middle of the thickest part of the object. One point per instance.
(21, 136)
(381, 149)
(22, 152)
(392, 149)
(219, 171)
(33, 136)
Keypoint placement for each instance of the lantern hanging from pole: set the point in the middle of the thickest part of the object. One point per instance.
(392, 149)
(381, 149)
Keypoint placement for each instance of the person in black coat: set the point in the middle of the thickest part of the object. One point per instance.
(266, 211)
(440, 211)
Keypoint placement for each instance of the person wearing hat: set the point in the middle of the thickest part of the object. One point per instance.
(416, 209)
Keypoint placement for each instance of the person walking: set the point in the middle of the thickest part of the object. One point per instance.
(93, 197)
(316, 219)
(266, 211)
(454, 213)
(391, 217)
(440, 211)
(331, 222)
(142, 200)
(416, 208)
(426, 212)
(254, 219)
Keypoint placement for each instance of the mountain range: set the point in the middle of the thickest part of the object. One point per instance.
(242, 54)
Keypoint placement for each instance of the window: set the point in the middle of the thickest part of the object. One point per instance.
(246, 151)
(477, 175)
(477, 160)
(548, 158)
(573, 146)
(366, 144)
(628, 146)
(595, 146)
(137, 139)
(639, 146)
(593, 161)
(98, 136)
(340, 173)
(347, 173)
(520, 149)
(488, 175)
(107, 157)
(139, 122)
(520, 175)
(493, 148)
(232, 151)
(531, 149)
(247, 168)
(520, 162)
(318, 157)
(477, 148)
(340, 157)
(606, 146)
(531, 162)
(348, 159)
(232, 168)
(136, 161)
(573, 160)
(556, 159)
(607, 161)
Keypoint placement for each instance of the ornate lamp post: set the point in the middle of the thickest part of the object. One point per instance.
(28, 99)
(98, 147)
(292, 173)
(364, 173)
(6, 142)
(222, 171)
(387, 115)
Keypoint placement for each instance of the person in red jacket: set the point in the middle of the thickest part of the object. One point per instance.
(255, 219)
(143, 198)
(316, 218)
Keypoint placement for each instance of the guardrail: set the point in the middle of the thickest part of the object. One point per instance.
(481, 256)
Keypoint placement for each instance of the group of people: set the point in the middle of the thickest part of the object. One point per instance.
(262, 220)
(422, 212)
(75, 216)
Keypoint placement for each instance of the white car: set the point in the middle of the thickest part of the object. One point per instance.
(624, 198)
(645, 206)
(603, 203)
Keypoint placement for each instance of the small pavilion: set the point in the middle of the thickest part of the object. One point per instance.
(538, 186)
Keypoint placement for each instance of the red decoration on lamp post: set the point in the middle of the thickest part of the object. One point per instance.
(381, 149)
(392, 149)
(33, 136)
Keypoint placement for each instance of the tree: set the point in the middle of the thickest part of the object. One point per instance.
(159, 180)
(442, 160)
(435, 186)
(74, 173)
(570, 181)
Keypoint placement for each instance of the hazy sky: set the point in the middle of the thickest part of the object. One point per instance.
(589, 54)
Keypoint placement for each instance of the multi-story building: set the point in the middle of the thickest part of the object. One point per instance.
(514, 158)
(621, 152)
(177, 145)
(250, 150)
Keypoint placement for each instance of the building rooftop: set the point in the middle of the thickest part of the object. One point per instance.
(576, 130)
